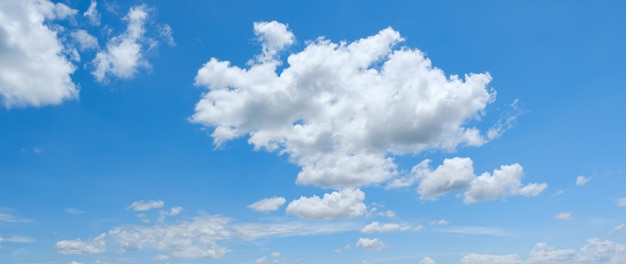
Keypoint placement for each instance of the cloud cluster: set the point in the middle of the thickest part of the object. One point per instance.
(457, 174)
(339, 204)
(33, 67)
(595, 251)
(199, 237)
(339, 109)
(37, 52)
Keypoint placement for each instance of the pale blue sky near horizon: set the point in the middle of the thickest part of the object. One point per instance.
(124, 167)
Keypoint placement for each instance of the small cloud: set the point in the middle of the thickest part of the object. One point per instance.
(267, 205)
(370, 243)
(582, 180)
(427, 260)
(622, 202)
(20, 239)
(74, 211)
(37, 150)
(620, 229)
(162, 257)
(439, 222)
(564, 216)
(145, 206)
(261, 260)
(8, 218)
(559, 192)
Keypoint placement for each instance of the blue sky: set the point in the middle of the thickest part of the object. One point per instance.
(314, 132)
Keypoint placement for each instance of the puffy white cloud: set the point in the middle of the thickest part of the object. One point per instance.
(503, 182)
(485, 258)
(124, 54)
(145, 206)
(276, 254)
(602, 251)
(582, 180)
(92, 13)
(269, 204)
(622, 202)
(427, 260)
(33, 68)
(457, 174)
(376, 227)
(273, 36)
(542, 253)
(339, 109)
(564, 216)
(370, 243)
(453, 175)
(339, 204)
(73, 247)
(85, 40)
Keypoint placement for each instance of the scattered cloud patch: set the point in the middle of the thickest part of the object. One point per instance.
(33, 68)
(79, 247)
(370, 243)
(346, 203)
(19, 239)
(268, 204)
(9, 218)
(261, 260)
(85, 40)
(439, 222)
(338, 109)
(145, 206)
(620, 229)
(622, 202)
(582, 180)
(595, 251)
(376, 227)
(275, 254)
(564, 216)
(92, 13)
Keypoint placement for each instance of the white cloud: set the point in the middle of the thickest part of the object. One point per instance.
(339, 204)
(475, 230)
(564, 216)
(73, 247)
(145, 206)
(85, 40)
(261, 260)
(269, 204)
(92, 13)
(273, 36)
(276, 254)
(581, 180)
(19, 239)
(485, 258)
(251, 231)
(439, 222)
(196, 239)
(622, 202)
(427, 260)
(162, 257)
(370, 243)
(33, 68)
(542, 253)
(376, 227)
(457, 174)
(174, 211)
(595, 251)
(165, 31)
(339, 109)
(124, 54)
(503, 182)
